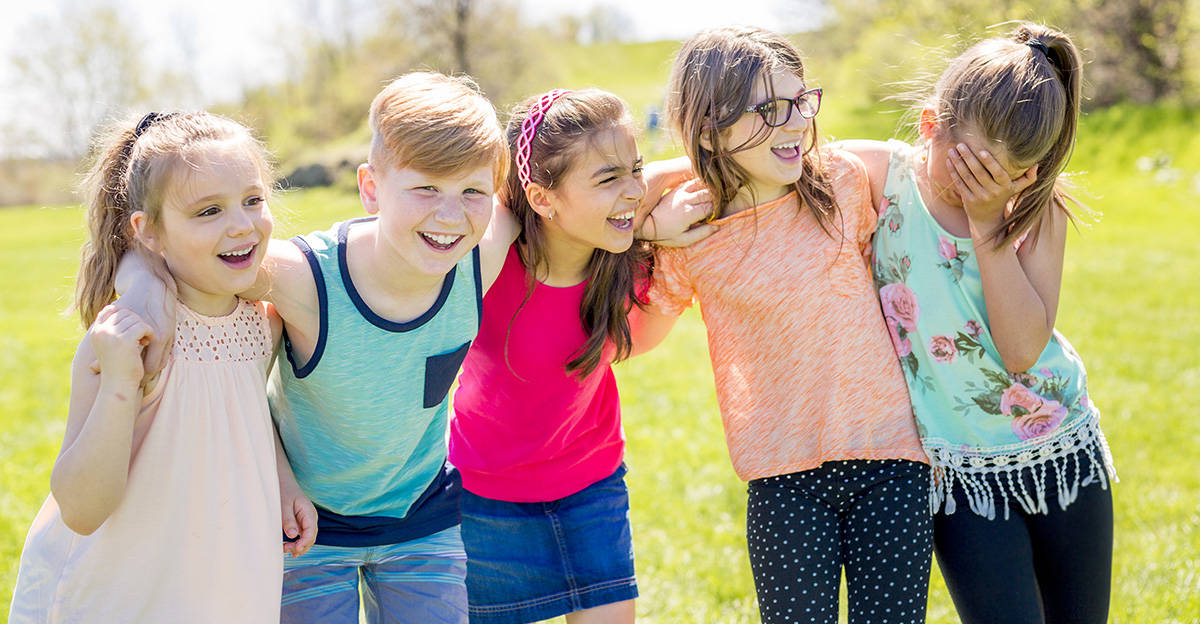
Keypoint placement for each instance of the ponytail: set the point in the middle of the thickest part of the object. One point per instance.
(109, 234)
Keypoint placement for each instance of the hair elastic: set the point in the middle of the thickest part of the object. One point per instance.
(1038, 45)
(528, 129)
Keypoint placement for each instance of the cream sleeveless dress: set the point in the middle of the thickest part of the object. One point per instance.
(197, 536)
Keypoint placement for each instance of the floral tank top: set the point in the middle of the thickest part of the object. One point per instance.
(976, 418)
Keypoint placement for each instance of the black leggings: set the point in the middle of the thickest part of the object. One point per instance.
(1027, 568)
(870, 516)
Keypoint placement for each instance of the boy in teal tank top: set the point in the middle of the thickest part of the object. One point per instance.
(378, 314)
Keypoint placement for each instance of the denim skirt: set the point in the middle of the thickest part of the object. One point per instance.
(528, 562)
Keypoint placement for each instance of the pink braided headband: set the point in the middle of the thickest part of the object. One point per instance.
(529, 129)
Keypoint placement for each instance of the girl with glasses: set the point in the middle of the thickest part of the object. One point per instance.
(812, 398)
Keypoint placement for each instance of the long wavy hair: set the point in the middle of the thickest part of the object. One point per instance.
(613, 278)
(711, 84)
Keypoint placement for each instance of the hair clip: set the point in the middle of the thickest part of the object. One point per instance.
(1038, 45)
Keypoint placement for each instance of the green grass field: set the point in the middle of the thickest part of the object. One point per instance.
(1129, 305)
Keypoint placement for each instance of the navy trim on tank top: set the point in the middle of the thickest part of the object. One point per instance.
(322, 311)
(365, 310)
(436, 510)
(478, 286)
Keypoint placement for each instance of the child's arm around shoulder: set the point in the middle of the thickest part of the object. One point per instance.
(89, 476)
(876, 156)
(501, 233)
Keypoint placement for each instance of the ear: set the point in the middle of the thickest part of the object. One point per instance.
(705, 131)
(368, 188)
(927, 124)
(139, 225)
(541, 199)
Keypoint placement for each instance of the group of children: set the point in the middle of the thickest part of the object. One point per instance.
(879, 317)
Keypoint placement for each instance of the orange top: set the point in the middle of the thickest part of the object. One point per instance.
(804, 367)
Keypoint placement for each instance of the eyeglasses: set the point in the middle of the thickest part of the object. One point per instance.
(778, 111)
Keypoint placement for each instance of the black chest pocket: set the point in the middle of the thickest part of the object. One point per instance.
(439, 374)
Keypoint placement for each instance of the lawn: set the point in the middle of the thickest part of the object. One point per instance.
(1129, 305)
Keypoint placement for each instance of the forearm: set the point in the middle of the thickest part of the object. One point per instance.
(283, 468)
(648, 327)
(89, 476)
(1019, 319)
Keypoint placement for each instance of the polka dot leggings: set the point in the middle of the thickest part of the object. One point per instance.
(869, 516)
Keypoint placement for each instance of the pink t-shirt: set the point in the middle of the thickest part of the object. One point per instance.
(524, 429)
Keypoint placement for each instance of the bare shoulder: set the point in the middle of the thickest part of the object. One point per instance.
(502, 231)
(875, 155)
(285, 280)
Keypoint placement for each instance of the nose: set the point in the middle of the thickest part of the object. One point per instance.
(796, 120)
(635, 189)
(450, 210)
(239, 222)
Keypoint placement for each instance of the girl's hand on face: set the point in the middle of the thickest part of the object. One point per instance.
(678, 219)
(118, 337)
(984, 186)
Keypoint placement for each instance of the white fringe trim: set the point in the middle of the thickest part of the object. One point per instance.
(969, 467)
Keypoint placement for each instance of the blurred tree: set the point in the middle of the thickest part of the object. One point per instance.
(1138, 50)
(79, 67)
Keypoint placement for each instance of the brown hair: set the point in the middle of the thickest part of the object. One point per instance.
(613, 278)
(711, 84)
(1021, 91)
(131, 164)
(436, 124)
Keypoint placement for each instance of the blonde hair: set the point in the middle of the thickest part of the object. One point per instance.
(1021, 91)
(436, 124)
(711, 84)
(132, 162)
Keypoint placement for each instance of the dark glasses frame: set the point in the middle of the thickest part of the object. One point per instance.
(790, 103)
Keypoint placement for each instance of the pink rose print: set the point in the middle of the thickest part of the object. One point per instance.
(1045, 419)
(900, 304)
(942, 349)
(906, 262)
(1020, 396)
(893, 225)
(1046, 372)
(946, 248)
(902, 345)
(974, 328)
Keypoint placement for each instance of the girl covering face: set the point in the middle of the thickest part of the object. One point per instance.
(968, 263)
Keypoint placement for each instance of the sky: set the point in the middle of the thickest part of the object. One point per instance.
(237, 43)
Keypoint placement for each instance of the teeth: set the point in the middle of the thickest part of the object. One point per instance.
(441, 239)
(786, 145)
(236, 254)
(624, 215)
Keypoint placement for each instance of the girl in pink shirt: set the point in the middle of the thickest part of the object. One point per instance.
(537, 432)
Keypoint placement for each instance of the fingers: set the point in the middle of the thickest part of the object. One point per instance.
(1026, 180)
(692, 235)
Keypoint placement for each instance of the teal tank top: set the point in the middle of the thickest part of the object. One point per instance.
(975, 417)
(364, 421)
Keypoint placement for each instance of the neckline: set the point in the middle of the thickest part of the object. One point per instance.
(210, 318)
(910, 163)
(361, 305)
(759, 208)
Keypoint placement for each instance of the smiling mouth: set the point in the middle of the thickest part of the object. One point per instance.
(441, 242)
(239, 259)
(623, 220)
(787, 151)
